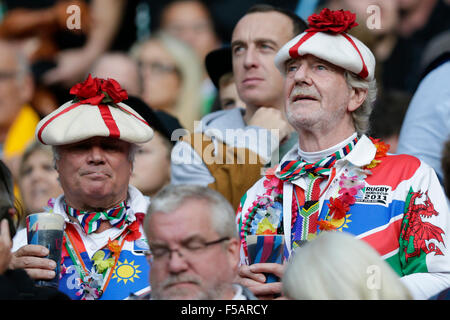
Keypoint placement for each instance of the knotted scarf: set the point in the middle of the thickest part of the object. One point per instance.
(318, 171)
(90, 221)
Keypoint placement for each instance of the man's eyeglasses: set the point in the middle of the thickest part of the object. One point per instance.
(186, 250)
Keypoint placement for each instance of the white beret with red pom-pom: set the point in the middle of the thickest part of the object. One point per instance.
(97, 110)
(327, 39)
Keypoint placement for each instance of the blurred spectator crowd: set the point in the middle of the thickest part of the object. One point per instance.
(174, 58)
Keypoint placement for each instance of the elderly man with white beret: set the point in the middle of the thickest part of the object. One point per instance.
(94, 138)
(339, 179)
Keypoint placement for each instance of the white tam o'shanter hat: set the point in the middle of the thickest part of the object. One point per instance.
(97, 111)
(327, 39)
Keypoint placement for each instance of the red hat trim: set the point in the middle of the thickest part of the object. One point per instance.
(107, 117)
(293, 51)
(364, 72)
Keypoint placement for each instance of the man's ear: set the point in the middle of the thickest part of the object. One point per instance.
(234, 252)
(357, 98)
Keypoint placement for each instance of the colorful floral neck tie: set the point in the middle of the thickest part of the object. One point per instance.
(90, 221)
(291, 170)
(306, 222)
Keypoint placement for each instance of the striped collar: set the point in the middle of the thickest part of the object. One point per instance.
(293, 169)
(317, 155)
(362, 154)
(90, 221)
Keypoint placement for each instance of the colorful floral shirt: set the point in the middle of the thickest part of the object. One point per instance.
(393, 202)
(129, 275)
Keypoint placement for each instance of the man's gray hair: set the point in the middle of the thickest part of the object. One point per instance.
(172, 197)
(362, 114)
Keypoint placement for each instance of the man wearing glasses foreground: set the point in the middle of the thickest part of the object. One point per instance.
(194, 245)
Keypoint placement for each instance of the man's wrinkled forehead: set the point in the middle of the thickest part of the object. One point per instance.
(272, 26)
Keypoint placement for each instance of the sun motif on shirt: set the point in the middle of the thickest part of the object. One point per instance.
(341, 223)
(125, 271)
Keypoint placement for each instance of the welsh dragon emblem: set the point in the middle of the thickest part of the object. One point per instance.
(421, 231)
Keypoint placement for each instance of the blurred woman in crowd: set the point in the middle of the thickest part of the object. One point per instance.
(38, 179)
(151, 168)
(172, 77)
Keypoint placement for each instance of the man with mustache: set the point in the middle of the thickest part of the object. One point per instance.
(94, 138)
(194, 245)
(339, 179)
(257, 37)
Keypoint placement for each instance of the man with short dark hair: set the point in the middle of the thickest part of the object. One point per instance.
(261, 129)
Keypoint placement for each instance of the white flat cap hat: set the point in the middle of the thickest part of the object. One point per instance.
(327, 39)
(97, 111)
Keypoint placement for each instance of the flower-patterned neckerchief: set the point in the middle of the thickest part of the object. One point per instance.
(90, 221)
(291, 170)
(306, 222)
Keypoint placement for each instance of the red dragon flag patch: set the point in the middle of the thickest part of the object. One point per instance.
(418, 236)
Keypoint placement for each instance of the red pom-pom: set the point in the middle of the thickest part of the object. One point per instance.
(338, 21)
(114, 90)
(93, 90)
(87, 89)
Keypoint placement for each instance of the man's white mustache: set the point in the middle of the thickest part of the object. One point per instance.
(304, 92)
